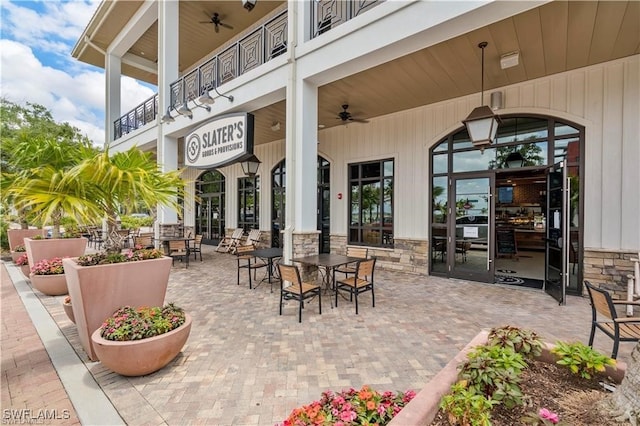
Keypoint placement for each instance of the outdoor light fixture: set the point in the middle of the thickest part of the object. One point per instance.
(168, 118)
(249, 4)
(250, 165)
(184, 110)
(275, 126)
(482, 123)
(206, 99)
(514, 160)
(496, 100)
(224, 96)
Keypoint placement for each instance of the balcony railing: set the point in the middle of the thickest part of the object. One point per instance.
(258, 47)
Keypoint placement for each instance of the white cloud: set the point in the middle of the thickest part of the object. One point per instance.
(36, 66)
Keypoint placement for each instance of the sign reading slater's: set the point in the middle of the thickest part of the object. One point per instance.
(220, 142)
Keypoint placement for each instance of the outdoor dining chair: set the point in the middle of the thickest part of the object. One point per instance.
(248, 262)
(360, 282)
(144, 241)
(197, 247)
(179, 249)
(298, 290)
(605, 318)
(350, 268)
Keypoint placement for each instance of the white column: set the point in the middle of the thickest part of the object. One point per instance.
(113, 75)
(168, 31)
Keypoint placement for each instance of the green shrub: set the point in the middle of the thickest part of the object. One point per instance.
(525, 342)
(4, 237)
(129, 222)
(581, 359)
(494, 372)
(464, 406)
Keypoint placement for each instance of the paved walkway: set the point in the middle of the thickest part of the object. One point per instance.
(244, 364)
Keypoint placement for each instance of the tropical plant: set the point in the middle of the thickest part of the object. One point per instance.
(351, 407)
(48, 267)
(128, 323)
(581, 359)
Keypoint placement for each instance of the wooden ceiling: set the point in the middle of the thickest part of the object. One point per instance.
(556, 37)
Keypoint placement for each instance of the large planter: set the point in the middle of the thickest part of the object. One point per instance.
(51, 285)
(140, 357)
(15, 255)
(97, 291)
(68, 309)
(38, 250)
(423, 408)
(26, 270)
(17, 236)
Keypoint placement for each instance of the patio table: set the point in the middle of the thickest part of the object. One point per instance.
(269, 254)
(326, 264)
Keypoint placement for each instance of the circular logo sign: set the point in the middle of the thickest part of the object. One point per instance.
(193, 148)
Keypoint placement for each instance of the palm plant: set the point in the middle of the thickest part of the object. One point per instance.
(123, 180)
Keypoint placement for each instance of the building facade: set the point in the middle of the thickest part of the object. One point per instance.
(358, 112)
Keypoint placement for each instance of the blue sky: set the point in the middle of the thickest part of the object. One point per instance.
(36, 64)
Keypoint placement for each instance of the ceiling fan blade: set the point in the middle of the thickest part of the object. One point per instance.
(359, 120)
(204, 22)
(217, 28)
(226, 25)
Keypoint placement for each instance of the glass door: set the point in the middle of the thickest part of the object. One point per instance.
(557, 241)
(469, 246)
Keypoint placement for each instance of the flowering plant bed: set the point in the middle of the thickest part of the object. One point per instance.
(23, 260)
(105, 258)
(48, 267)
(351, 407)
(128, 323)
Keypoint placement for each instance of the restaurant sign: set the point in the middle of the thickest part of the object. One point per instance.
(220, 142)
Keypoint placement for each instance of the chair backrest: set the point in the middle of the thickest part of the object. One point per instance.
(289, 273)
(600, 301)
(365, 268)
(244, 249)
(361, 252)
(177, 246)
(254, 236)
(143, 241)
(237, 234)
(197, 240)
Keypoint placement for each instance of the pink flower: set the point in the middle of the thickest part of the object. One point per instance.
(549, 415)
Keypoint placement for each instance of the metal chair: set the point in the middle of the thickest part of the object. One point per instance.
(625, 329)
(298, 290)
(179, 249)
(248, 262)
(197, 247)
(350, 268)
(360, 282)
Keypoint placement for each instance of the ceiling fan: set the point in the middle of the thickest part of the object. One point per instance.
(217, 22)
(346, 116)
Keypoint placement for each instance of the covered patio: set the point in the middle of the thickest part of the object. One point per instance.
(245, 365)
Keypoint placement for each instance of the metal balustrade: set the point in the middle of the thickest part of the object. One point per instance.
(265, 43)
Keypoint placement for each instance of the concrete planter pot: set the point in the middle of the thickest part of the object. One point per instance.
(17, 236)
(38, 250)
(98, 291)
(140, 357)
(422, 409)
(15, 255)
(51, 285)
(26, 270)
(68, 309)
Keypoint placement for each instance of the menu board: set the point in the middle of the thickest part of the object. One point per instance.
(506, 242)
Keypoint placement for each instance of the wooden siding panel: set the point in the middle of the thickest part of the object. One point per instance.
(543, 94)
(559, 94)
(630, 209)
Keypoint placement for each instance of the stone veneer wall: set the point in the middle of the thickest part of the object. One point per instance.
(306, 244)
(608, 270)
(406, 255)
(171, 230)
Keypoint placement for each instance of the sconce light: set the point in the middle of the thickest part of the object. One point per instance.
(168, 118)
(249, 4)
(514, 160)
(482, 123)
(206, 99)
(250, 165)
(275, 126)
(224, 96)
(184, 110)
